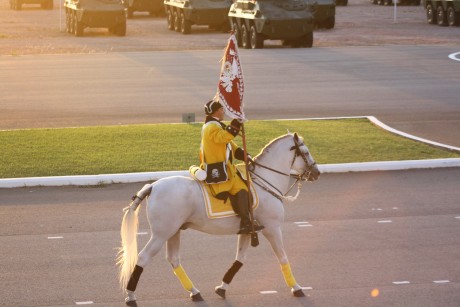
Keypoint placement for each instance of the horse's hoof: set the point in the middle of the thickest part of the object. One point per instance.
(220, 292)
(197, 297)
(298, 293)
(131, 303)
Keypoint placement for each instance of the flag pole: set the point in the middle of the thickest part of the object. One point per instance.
(254, 236)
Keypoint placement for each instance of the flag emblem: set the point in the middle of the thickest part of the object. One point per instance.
(231, 86)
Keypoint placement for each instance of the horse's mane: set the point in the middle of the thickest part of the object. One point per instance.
(267, 147)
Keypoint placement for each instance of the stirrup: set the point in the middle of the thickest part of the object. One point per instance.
(248, 229)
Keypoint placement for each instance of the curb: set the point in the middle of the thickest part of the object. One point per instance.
(87, 180)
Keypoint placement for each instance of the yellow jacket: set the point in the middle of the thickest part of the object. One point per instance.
(216, 143)
(217, 146)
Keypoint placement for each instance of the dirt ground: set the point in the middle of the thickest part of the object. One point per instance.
(36, 31)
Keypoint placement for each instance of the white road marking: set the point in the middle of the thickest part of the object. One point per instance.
(441, 281)
(457, 217)
(142, 233)
(395, 208)
(53, 238)
(385, 221)
(303, 224)
(268, 292)
(307, 288)
(455, 56)
(403, 282)
(84, 303)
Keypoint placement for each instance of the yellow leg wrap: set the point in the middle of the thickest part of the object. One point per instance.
(183, 278)
(287, 273)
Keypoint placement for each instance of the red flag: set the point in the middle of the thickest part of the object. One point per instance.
(231, 86)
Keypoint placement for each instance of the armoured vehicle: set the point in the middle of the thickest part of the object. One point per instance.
(254, 21)
(182, 14)
(442, 12)
(81, 14)
(17, 4)
(323, 13)
(154, 7)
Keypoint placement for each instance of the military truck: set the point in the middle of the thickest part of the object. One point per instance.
(442, 12)
(182, 14)
(17, 4)
(253, 22)
(81, 14)
(323, 13)
(154, 7)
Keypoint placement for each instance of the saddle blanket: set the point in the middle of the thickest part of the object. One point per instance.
(216, 208)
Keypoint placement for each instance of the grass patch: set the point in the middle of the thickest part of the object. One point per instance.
(164, 147)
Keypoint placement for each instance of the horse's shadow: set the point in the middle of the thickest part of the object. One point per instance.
(299, 301)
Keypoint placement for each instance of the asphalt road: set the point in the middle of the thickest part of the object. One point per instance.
(396, 232)
(411, 88)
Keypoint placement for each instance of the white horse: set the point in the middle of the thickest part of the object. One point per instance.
(176, 203)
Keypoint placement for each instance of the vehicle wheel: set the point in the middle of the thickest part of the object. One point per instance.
(68, 24)
(177, 25)
(130, 12)
(330, 22)
(186, 25)
(441, 16)
(451, 17)
(307, 40)
(237, 32)
(387, 2)
(120, 29)
(380, 2)
(244, 37)
(170, 19)
(430, 15)
(256, 40)
(78, 26)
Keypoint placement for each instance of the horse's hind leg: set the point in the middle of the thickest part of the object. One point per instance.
(243, 244)
(172, 255)
(145, 257)
(275, 237)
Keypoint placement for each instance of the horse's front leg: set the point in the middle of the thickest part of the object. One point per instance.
(243, 244)
(275, 237)
(172, 255)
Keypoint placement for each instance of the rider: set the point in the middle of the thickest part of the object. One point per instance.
(217, 153)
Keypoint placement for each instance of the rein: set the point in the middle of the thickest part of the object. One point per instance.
(298, 178)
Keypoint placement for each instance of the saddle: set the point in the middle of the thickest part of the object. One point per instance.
(221, 207)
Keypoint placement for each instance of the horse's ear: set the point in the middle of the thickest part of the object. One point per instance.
(296, 137)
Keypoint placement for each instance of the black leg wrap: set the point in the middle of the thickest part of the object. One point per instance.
(236, 266)
(133, 280)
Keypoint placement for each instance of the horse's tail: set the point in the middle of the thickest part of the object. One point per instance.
(127, 254)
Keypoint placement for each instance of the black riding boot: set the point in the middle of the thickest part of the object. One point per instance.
(241, 207)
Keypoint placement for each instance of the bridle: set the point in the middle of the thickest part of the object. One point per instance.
(299, 178)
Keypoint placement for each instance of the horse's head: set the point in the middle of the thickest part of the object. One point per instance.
(303, 164)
